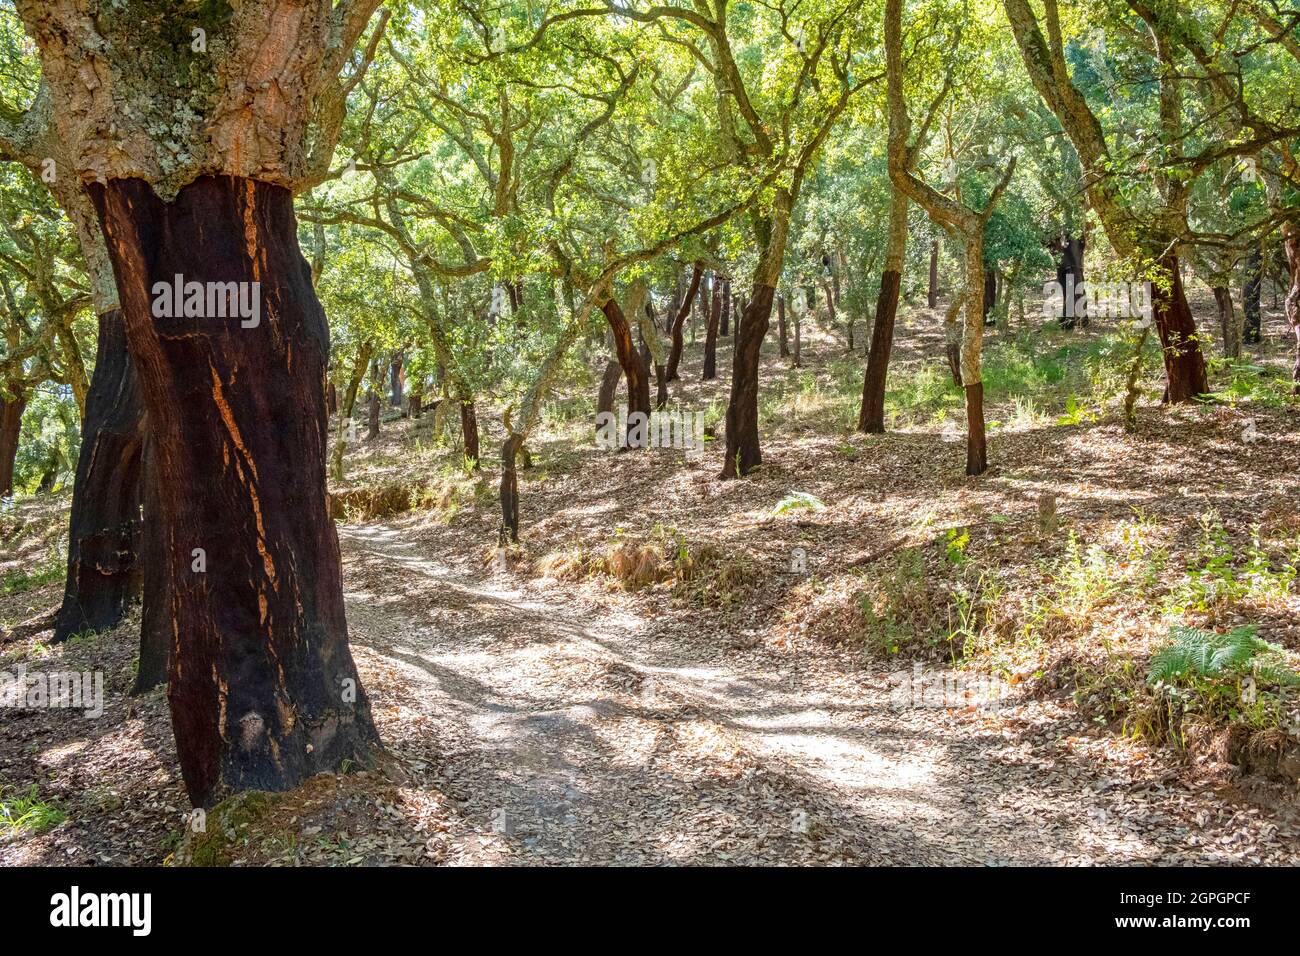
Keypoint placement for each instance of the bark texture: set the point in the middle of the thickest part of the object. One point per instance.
(263, 689)
(871, 417)
(104, 574)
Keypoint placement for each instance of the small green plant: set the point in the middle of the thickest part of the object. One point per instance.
(955, 544)
(28, 813)
(1219, 576)
(1195, 653)
(796, 500)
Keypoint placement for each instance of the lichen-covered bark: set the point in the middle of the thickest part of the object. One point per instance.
(137, 95)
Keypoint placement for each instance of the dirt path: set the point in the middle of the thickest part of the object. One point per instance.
(571, 734)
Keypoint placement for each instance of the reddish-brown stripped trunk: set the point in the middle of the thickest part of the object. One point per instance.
(104, 527)
(871, 417)
(263, 689)
(679, 323)
(743, 452)
(11, 427)
(1179, 339)
(636, 372)
(711, 335)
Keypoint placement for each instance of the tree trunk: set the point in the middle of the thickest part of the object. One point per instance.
(1250, 295)
(952, 339)
(711, 334)
(1229, 327)
(349, 406)
(679, 323)
(781, 331)
(1179, 340)
(510, 489)
(871, 417)
(932, 293)
(331, 399)
(469, 433)
(263, 689)
(396, 379)
(608, 388)
(155, 616)
(977, 454)
(1291, 303)
(990, 292)
(743, 451)
(724, 328)
(1069, 276)
(11, 426)
(798, 339)
(104, 530)
(372, 411)
(977, 458)
(635, 370)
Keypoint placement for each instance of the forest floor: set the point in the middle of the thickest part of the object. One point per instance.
(653, 676)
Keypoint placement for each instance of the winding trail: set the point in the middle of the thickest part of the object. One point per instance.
(570, 734)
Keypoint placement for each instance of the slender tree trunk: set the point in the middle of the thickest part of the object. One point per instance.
(1229, 327)
(1179, 339)
(263, 689)
(1291, 303)
(727, 304)
(743, 451)
(11, 426)
(396, 378)
(1250, 295)
(469, 432)
(635, 370)
(871, 417)
(781, 331)
(990, 299)
(977, 458)
(798, 340)
(608, 388)
(372, 411)
(104, 530)
(711, 334)
(510, 489)
(349, 407)
(679, 323)
(952, 339)
(932, 292)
